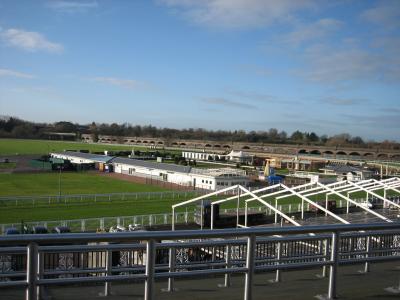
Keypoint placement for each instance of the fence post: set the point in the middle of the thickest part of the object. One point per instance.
(278, 276)
(334, 266)
(248, 285)
(83, 225)
(171, 265)
(32, 271)
(150, 264)
(40, 289)
(228, 266)
(107, 285)
(367, 247)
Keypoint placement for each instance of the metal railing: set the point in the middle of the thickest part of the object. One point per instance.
(94, 224)
(143, 256)
(76, 199)
(149, 220)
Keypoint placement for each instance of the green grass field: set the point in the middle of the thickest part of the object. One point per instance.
(71, 183)
(7, 166)
(17, 146)
(104, 209)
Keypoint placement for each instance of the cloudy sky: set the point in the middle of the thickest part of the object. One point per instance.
(323, 66)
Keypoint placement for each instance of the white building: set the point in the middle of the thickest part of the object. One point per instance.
(351, 173)
(200, 155)
(82, 157)
(233, 156)
(211, 179)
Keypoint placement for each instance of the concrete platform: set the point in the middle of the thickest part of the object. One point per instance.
(295, 285)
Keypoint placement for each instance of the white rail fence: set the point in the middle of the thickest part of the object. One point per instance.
(187, 217)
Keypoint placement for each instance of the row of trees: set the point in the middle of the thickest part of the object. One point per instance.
(17, 128)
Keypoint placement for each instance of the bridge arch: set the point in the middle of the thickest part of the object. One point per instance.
(315, 152)
(302, 151)
(217, 146)
(226, 146)
(245, 147)
(382, 155)
(327, 152)
(341, 153)
(354, 154)
(207, 145)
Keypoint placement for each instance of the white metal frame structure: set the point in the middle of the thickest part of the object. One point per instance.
(303, 192)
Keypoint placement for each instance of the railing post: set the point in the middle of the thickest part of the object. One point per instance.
(278, 256)
(107, 285)
(325, 251)
(250, 258)
(228, 250)
(367, 247)
(40, 289)
(150, 264)
(334, 266)
(32, 271)
(171, 266)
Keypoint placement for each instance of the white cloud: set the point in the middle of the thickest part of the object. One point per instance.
(228, 103)
(125, 83)
(11, 73)
(231, 14)
(330, 64)
(72, 6)
(344, 101)
(312, 31)
(29, 41)
(386, 13)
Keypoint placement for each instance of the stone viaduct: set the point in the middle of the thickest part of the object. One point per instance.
(258, 148)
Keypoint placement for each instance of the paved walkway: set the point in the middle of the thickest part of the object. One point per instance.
(295, 285)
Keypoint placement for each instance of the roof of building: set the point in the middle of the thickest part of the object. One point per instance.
(152, 165)
(83, 155)
(179, 169)
(215, 172)
(345, 169)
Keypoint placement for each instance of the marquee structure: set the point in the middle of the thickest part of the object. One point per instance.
(343, 190)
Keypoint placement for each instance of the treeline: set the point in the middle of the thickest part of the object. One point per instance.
(11, 127)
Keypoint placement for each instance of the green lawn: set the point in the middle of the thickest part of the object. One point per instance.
(9, 165)
(17, 146)
(105, 209)
(71, 183)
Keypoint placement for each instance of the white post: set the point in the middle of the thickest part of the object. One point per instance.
(245, 215)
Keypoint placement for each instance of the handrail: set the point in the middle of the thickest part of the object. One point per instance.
(334, 244)
(187, 234)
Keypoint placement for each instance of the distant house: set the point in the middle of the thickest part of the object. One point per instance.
(344, 172)
(295, 164)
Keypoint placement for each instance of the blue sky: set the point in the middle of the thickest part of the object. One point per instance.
(322, 66)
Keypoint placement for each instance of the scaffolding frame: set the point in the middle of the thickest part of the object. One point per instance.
(303, 192)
